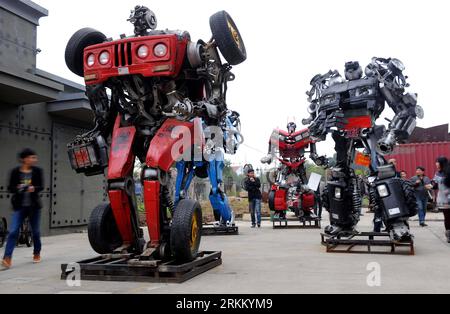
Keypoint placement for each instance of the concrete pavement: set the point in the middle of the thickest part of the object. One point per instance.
(257, 261)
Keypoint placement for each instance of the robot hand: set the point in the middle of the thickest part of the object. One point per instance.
(323, 124)
(385, 145)
(267, 160)
(322, 161)
(334, 120)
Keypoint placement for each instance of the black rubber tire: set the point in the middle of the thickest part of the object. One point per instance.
(410, 197)
(103, 234)
(272, 200)
(74, 55)
(181, 231)
(228, 38)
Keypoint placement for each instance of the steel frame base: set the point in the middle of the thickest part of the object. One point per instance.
(369, 241)
(126, 267)
(297, 223)
(212, 230)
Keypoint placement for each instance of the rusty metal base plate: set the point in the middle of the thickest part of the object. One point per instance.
(130, 268)
(297, 223)
(213, 230)
(367, 243)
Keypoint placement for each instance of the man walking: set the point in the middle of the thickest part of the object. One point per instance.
(422, 184)
(253, 185)
(26, 182)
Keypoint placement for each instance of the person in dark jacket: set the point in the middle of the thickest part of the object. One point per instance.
(25, 183)
(253, 186)
(422, 186)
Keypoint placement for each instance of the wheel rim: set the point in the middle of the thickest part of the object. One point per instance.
(235, 34)
(194, 231)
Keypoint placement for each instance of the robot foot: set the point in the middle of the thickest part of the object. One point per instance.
(400, 232)
(333, 230)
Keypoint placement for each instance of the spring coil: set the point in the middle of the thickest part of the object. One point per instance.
(372, 198)
(356, 196)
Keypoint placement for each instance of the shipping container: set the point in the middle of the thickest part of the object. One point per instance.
(410, 156)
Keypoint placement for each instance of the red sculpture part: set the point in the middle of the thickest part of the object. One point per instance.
(124, 58)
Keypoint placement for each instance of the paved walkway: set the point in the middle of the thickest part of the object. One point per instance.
(257, 261)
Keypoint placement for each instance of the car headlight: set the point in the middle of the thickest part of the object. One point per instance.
(90, 60)
(338, 193)
(383, 190)
(104, 58)
(160, 50)
(142, 52)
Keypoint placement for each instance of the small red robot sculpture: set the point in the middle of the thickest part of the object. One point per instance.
(289, 191)
(149, 92)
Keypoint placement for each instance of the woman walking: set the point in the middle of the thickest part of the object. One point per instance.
(443, 191)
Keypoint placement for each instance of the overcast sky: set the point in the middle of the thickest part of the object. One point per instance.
(288, 42)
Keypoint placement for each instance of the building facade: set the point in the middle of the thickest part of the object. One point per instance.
(44, 112)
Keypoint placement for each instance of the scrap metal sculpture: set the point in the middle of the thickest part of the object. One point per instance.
(348, 109)
(149, 92)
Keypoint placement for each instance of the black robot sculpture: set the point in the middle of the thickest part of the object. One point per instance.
(348, 108)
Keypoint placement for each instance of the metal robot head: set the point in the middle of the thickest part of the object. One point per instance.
(143, 19)
(353, 71)
(291, 127)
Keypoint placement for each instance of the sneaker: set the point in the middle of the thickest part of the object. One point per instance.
(253, 226)
(7, 263)
(36, 259)
(423, 225)
(259, 226)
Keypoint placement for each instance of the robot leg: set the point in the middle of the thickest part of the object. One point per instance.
(342, 196)
(185, 175)
(218, 199)
(393, 196)
(396, 200)
(344, 204)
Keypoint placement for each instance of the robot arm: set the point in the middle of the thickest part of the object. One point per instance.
(393, 84)
(324, 114)
(321, 161)
(88, 153)
(105, 114)
(268, 159)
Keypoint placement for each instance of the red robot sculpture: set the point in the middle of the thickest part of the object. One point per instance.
(289, 191)
(148, 91)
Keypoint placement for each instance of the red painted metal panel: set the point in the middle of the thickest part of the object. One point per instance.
(410, 156)
(121, 158)
(122, 214)
(161, 153)
(152, 210)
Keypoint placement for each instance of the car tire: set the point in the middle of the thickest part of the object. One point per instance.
(228, 38)
(74, 55)
(103, 233)
(186, 229)
(410, 197)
